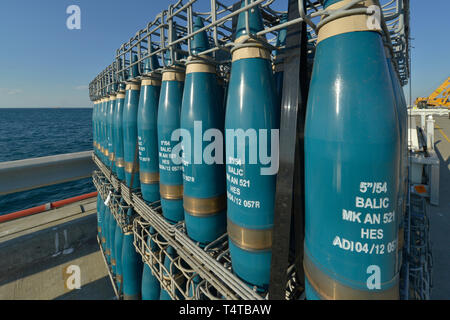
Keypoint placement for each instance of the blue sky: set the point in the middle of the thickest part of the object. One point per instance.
(430, 26)
(44, 64)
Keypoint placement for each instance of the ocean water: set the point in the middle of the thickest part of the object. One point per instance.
(30, 133)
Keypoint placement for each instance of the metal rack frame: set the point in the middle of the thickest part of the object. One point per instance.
(157, 38)
(104, 187)
(419, 254)
(210, 263)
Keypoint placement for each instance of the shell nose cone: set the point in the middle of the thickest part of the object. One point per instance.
(112, 88)
(254, 21)
(177, 55)
(167, 58)
(281, 38)
(151, 64)
(134, 72)
(200, 41)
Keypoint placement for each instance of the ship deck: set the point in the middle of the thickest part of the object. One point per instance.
(36, 250)
(440, 215)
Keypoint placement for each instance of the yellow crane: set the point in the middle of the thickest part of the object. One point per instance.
(439, 97)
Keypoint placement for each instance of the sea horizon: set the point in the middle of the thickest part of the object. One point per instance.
(39, 132)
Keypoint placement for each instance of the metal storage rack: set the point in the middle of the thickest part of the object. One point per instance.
(157, 39)
(417, 269)
(211, 263)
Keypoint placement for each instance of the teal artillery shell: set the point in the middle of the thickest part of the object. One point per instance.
(351, 171)
(203, 179)
(107, 224)
(130, 143)
(170, 173)
(118, 136)
(251, 109)
(202, 118)
(106, 127)
(173, 271)
(112, 237)
(148, 138)
(118, 240)
(110, 121)
(131, 267)
(94, 127)
(101, 130)
(151, 288)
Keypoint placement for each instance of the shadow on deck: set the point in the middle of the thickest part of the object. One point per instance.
(36, 251)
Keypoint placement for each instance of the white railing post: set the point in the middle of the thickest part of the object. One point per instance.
(430, 132)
